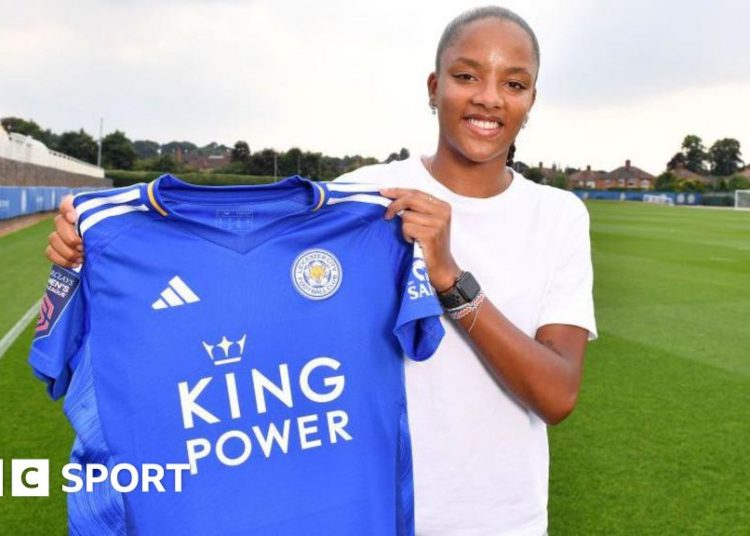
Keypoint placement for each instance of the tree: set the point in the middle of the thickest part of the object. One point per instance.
(695, 154)
(30, 128)
(534, 174)
(146, 148)
(290, 162)
(666, 182)
(520, 167)
(241, 152)
(403, 154)
(262, 163)
(725, 157)
(117, 151)
(677, 161)
(22, 126)
(738, 182)
(560, 180)
(213, 149)
(78, 145)
(183, 147)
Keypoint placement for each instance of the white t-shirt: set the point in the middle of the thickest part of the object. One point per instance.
(481, 459)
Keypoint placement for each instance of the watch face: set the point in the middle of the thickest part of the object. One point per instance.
(468, 286)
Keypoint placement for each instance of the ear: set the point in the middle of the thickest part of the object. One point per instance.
(432, 83)
(533, 99)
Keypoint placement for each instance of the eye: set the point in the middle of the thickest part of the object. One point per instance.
(516, 85)
(464, 77)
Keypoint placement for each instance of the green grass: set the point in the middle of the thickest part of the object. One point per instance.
(31, 426)
(660, 441)
(23, 271)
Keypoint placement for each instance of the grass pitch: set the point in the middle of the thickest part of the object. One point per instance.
(660, 441)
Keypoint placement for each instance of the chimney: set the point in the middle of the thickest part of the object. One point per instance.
(627, 164)
(588, 168)
(541, 165)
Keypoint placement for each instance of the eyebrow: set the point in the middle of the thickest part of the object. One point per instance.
(474, 63)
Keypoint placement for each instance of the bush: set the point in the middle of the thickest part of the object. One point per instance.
(126, 178)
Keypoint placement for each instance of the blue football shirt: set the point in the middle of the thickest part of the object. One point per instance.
(254, 332)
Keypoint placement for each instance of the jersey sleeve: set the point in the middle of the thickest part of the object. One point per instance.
(569, 295)
(418, 326)
(59, 331)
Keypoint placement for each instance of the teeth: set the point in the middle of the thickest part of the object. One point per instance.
(484, 124)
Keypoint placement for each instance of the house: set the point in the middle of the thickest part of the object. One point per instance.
(201, 162)
(684, 174)
(588, 179)
(548, 173)
(629, 177)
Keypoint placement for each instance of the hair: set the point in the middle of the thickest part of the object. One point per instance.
(480, 13)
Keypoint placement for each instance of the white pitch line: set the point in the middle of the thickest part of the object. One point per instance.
(10, 337)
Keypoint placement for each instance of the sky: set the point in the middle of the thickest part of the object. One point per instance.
(619, 79)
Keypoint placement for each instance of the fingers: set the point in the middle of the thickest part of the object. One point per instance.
(67, 232)
(71, 255)
(58, 259)
(414, 200)
(67, 210)
(414, 232)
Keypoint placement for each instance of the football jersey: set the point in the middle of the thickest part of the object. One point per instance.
(255, 333)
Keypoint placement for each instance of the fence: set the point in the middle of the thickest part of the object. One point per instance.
(20, 200)
(679, 198)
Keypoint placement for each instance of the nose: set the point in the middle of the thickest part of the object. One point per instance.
(488, 94)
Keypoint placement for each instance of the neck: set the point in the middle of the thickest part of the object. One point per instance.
(466, 178)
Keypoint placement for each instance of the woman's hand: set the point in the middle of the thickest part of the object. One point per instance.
(65, 247)
(427, 220)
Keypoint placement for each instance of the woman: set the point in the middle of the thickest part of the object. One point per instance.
(512, 359)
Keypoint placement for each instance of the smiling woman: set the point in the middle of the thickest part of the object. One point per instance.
(512, 357)
(511, 262)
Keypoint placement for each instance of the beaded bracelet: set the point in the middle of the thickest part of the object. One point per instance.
(461, 311)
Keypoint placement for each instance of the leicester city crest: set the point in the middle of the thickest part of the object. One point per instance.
(316, 274)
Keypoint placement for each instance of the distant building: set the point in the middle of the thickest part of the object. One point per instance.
(548, 173)
(211, 162)
(684, 174)
(588, 179)
(630, 177)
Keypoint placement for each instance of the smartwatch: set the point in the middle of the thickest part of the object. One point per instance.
(463, 291)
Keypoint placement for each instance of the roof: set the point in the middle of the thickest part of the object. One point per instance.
(629, 172)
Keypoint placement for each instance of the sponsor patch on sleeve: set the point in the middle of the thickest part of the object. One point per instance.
(61, 287)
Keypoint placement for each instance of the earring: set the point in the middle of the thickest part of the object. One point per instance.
(432, 107)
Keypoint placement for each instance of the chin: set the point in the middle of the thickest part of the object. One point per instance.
(482, 155)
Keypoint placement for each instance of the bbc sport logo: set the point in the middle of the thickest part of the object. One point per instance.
(30, 477)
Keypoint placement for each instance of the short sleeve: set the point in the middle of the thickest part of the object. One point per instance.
(59, 331)
(418, 326)
(569, 295)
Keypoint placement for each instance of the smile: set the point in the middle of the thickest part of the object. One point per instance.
(483, 127)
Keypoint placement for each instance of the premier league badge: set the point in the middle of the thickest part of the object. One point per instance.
(316, 274)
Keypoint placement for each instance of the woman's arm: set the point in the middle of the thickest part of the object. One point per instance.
(544, 372)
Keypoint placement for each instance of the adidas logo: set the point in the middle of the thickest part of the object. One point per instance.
(176, 294)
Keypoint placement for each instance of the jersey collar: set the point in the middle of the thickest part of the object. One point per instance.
(156, 195)
(317, 191)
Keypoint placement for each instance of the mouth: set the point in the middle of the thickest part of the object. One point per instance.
(486, 127)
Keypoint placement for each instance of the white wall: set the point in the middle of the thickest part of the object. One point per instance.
(22, 148)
